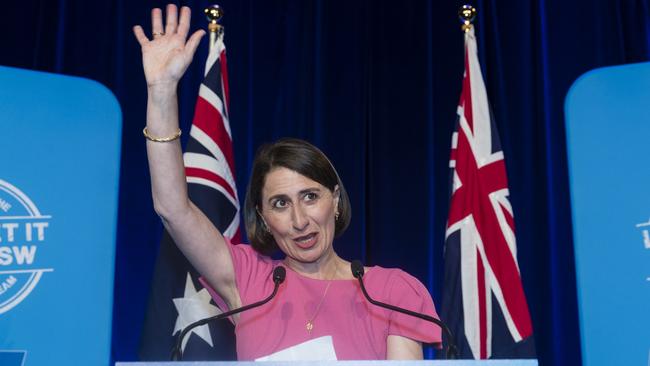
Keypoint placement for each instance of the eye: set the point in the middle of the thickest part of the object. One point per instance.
(311, 196)
(279, 203)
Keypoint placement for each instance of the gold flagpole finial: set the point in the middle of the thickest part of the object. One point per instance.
(467, 13)
(214, 13)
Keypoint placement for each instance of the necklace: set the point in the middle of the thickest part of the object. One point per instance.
(310, 321)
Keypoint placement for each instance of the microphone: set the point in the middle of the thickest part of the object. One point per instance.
(279, 273)
(450, 350)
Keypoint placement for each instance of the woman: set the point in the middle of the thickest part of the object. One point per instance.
(295, 203)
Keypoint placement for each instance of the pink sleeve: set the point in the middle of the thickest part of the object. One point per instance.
(407, 292)
(251, 268)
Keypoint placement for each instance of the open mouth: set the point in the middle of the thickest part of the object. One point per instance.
(307, 241)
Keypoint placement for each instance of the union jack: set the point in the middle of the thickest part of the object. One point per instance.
(209, 160)
(483, 298)
(177, 297)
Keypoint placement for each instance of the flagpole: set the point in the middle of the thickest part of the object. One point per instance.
(466, 13)
(214, 13)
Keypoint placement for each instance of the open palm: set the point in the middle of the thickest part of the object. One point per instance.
(168, 54)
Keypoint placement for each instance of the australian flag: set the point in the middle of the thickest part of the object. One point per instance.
(177, 298)
(484, 303)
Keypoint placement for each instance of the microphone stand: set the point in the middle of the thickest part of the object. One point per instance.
(450, 351)
(279, 274)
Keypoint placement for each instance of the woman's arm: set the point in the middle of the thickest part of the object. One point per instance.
(402, 348)
(165, 58)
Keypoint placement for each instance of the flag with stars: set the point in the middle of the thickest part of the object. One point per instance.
(483, 299)
(177, 298)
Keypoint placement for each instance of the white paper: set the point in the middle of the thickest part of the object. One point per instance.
(317, 349)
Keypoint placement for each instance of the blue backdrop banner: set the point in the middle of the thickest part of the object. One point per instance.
(59, 181)
(607, 132)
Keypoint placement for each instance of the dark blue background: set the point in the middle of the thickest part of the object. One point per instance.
(375, 84)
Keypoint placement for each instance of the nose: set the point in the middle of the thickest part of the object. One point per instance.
(300, 221)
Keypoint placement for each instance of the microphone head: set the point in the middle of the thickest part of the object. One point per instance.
(279, 273)
(357, 268)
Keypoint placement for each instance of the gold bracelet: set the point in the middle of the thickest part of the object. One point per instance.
(161, 139)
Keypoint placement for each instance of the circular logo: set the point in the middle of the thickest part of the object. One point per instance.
(22, 229)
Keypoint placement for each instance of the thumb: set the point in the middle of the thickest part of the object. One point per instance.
(193, 42)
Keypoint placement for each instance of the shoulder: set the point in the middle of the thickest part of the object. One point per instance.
(245, 253)
(252, 269)
(397, 285)
(407, 292)
(392, 277)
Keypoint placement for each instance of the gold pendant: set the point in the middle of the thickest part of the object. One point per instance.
(309, 326)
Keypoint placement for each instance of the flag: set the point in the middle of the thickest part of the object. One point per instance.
(177, 297)
(483, 299)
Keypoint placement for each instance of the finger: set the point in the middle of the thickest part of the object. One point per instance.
(184, 23)
(193, 43)
(139, 35)
(172, 19)
(156, 21)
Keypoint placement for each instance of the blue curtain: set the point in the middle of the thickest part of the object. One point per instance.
(375, 84)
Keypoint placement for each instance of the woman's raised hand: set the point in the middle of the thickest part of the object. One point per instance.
(168, 54)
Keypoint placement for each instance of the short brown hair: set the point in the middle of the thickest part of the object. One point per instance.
(303, 158)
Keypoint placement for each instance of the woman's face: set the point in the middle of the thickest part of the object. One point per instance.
(300, 213)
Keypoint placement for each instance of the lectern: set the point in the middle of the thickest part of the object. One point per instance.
(342, 363)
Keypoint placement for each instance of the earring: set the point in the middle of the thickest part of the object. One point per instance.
(336, 216)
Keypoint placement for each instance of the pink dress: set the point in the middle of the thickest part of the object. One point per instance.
(359, 329)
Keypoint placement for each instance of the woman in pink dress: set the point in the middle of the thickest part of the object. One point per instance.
(295, 203)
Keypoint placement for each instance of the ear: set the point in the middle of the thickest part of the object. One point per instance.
(337, 195)
(264, 224)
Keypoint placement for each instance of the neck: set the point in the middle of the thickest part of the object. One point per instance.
(328, 267)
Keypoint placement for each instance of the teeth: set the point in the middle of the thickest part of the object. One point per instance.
(305, 239)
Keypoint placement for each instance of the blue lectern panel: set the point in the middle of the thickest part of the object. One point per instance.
(608, 132)
(59, 153)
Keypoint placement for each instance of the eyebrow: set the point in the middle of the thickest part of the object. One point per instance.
(301, 192)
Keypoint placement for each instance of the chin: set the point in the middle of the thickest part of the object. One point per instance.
(312, 256)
